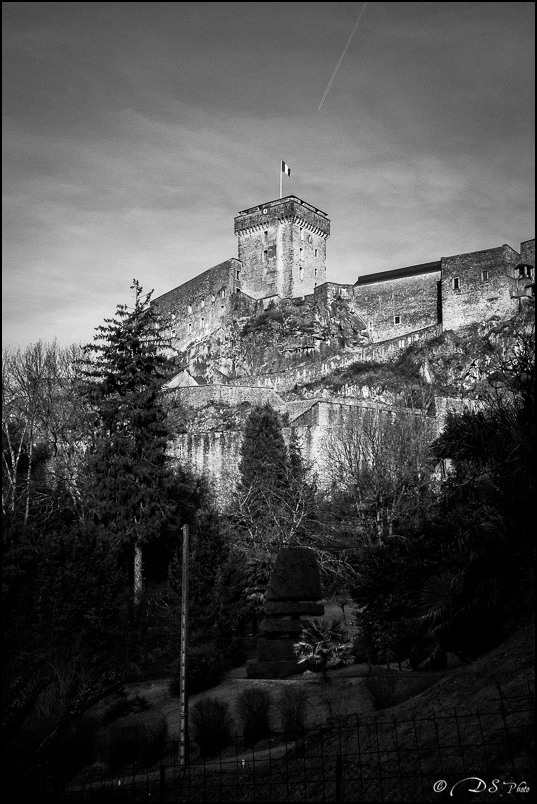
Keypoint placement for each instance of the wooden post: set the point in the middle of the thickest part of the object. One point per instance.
(183, 703)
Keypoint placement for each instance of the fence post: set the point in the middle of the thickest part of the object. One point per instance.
(183, 700)
(506, 730)
(359, 755)
(339, 779)
(531, 700)
(162, 784)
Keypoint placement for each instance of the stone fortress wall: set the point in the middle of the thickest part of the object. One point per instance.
(477, 286)
(282, 255)
(282, 246)
(200, 305)
(405, 300)
(216, 454)
(312, 368)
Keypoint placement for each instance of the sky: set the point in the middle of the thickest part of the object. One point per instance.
(133, 134)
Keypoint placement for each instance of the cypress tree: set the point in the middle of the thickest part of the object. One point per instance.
(264, 460)
(264, 465)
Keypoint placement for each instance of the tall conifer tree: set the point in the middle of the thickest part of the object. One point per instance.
(264, 464)
(124, 372)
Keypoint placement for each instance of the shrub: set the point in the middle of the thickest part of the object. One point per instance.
(262, 320)
(76, 748)
(139, 737)
(253, 707)
(360, 650)
(292, 705)
(125, 706)
(211, 724)
(427, 655)
(381, 686)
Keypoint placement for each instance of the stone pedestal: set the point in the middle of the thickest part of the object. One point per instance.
(294, 593)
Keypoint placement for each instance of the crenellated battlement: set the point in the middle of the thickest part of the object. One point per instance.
(267, 327)
(289, 208)
(282, 256)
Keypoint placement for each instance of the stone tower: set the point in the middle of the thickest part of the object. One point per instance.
(282, 248)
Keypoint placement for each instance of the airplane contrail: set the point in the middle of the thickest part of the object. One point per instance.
(338, 65)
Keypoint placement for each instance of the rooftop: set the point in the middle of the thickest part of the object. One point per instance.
(278, 201)
(399, 273)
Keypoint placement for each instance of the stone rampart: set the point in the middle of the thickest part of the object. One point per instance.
(198, 307)
(215, 455)
(330, 291)
(199, 396)
(317, 367)
(399, 303)
(476, 286)
(527, 252)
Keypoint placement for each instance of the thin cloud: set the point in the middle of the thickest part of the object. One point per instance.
(134, 132)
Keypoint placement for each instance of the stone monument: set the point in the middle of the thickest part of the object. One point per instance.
(293, 593)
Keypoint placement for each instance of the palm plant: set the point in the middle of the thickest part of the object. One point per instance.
(324, 643)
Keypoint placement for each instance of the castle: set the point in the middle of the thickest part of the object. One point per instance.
(281, 263)
(282, 255)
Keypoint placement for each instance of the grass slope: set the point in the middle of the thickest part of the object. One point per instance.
(398, 754)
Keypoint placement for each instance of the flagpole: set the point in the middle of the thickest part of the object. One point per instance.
(281, 176)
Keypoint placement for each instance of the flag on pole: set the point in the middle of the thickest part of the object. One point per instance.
(286, 169)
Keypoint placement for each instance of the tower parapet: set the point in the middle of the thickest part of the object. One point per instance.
(282, 248)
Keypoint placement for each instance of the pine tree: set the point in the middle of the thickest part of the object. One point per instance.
(128, 467)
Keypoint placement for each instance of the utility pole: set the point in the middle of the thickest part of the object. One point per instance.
(183, 703)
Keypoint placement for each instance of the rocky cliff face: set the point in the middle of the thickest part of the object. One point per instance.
(458, 364)
(448, 372)
(274, 340)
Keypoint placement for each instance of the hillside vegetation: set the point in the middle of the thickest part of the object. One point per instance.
(96, 504)
(456, 364)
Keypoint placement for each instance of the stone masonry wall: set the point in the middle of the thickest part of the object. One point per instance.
(282, 247)
(216, 454)
(523, 283)
(199, 396)
(330, 291)
(199, 306)
(527, 252)
(306, 258)
(316, 367)
(476, 286)
(392, 308)
(258, 254)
